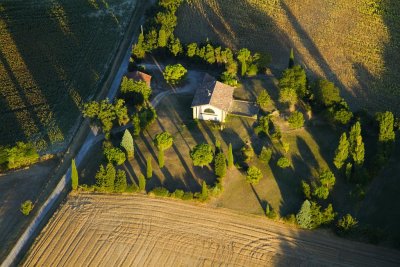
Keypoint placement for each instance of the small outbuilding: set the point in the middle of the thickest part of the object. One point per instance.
(139, 76)
(212, 100)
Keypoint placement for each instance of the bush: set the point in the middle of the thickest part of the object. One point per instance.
(105, 178)
(26, 207)
(263, 99)
(342, 116)
(20, 155)
(296, 120)
(160, 191)
(132, 188)
(270, 212)
(202, 154)
(346, 224)
(283, 163)
(265, 155)
(147, 116)
(291, 218)
(248, 152)
(253, 175)
(178, 193)
(173, 74)
(306, 189)
(115, 155)
(120, 183)
(311, 217)
(187, 196)
(229, 79)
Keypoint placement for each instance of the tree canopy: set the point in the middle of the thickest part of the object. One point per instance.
(173, 74)
(253, 175)
(202, 154)
(326, 93)
(294, 78)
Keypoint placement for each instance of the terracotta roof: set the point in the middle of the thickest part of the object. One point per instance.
(214, 93)
(139, 76)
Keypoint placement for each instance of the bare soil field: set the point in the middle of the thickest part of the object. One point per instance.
(53, 57)
(352, 43)
(99, 230)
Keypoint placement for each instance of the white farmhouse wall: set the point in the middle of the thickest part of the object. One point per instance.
(199, 113)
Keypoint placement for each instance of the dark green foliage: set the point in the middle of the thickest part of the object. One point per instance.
(357, 149)
(187, 196)
(178, 193)
(346, 224)
(270, 212)
(120, 183)
(265, 155)
(137, 92)
(135, 124)
(138, 49)
(306, 189)
(161, 161)
(220, 165)
(341, 115)
(191, 50)
(142, 182)
(209, 55)
(26, 207)
(311, 217)
(202, 154)
(320, 192)
(247, 152)
(114, 155)
(325, 183)
(244, 56)
(149, 168)
(74, 175)
(288, 95)
(296, 120)
(263, 99)
(291, 58)
(263, 60)
(263, 125)
(168, 21)
(20, 155)
(342, 152)
(294, 78)
(253, 175)
(252, 70)
(349, 171)
(174, 74)
(283, 163)
(105, 178)
(162, 141)
(204, 191)
(162, 38)
(147, 116)
(151, 41)
(326, 93)
(160, 191)
(171, 5)
(127, 144)
(230, 156)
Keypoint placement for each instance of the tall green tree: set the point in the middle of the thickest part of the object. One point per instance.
(386, 126)
(191, 50)
(294, 78)
(357, 149)
(173, 74)
(326, 93)
(244, 56)
(202, 154)
(230, 156)
(162, 141)
(74, 175)
(209, 55)
(253, 175)
(142, 182)
(105, 178)
(127, 143)
(120, 182)
(204, 190)
(162, 38)
(149, 168)
(263, 99)
(220, 165)
(175, 46)
(289, 96)
(342, 152)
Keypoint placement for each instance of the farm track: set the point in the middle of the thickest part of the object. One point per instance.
(100, 230)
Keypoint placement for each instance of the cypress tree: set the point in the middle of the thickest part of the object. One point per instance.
(220, 165)
(120, 183)
(127, 143)
(74, 175)
(386, 125)
(204, 190)
(342, 152)
(162, 38)
(161, 158)
(230, 156)
(142, 182)
(357, 148)
(291, 59)
(149, 168)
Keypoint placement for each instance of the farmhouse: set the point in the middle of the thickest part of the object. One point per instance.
(139, 76)
(212, 100)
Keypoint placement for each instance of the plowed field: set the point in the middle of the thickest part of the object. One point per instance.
(98, 230)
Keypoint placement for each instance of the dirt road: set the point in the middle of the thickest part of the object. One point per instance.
(99, 230)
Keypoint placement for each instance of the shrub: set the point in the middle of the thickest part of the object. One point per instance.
(175, 46)
(265, 155)
(229, 78)
(178, 193)
(202, 154)
(346, 224)
(283, 163)
(291, 218)
(120, 183)
(342, 116)
(147, 116)
(263, 99)
(296, 120)
(26, 207)
(160, 191)
(285, 147)
(252, 70)
(132, 188)
(142, 182)
(220, 165)
(173, 74)
(311, 217)
(306, 189)
(74, 175)
(248, 152)
(187, 196)
(105, 178)
(263, 124)
(162, 141)
(204, 191)
(253, 175)
(342, 152)
(270, 212)
(137, 92)
(127, 143)
(115, 155)
(22, 154)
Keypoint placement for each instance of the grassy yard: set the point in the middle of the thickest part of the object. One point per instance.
(53, 56)
(358, 54)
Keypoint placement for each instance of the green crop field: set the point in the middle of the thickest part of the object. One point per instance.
(353, 43)
(53, 56)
